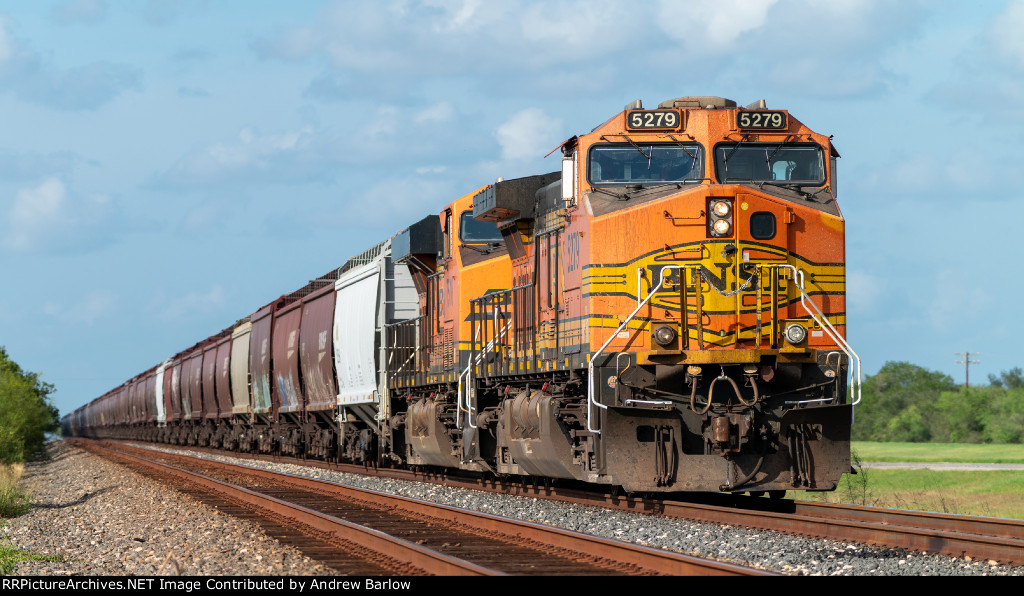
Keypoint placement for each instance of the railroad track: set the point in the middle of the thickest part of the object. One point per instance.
(1000, 540)
(370, 533)
(982, 538)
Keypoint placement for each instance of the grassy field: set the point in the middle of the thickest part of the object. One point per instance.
(990, 494)
(939, 452)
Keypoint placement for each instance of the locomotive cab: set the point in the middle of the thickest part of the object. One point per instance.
(716, 300)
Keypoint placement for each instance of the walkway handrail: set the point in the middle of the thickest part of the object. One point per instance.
(591, 401)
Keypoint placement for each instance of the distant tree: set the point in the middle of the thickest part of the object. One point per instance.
(26, 414)
(1004, 422)
(905, 402)
(899, 403)
(1012, 379)
(962, 415)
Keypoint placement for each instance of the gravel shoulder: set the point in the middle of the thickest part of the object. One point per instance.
(104, 520)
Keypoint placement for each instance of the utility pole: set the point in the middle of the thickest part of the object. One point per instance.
(967, 362)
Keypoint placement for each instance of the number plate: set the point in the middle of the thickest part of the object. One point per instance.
(653, 120)
(762, 120)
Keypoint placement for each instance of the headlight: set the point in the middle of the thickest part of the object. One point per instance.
(664, 335)
(795, 333)
(719, 218)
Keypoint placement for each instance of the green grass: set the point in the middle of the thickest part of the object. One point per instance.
(11, 556)
(939, 452)
(963, 492)
(989, 494)
(13, 499)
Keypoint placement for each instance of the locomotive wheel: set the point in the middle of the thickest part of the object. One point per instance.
(756, 493)
(776, 494)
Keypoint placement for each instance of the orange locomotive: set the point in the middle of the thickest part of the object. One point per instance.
(665, 314)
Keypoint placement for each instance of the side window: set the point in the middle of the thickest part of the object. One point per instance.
(762, 225)
(447, 235)
(474, 231)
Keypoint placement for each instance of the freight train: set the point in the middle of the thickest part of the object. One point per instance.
(665, 313)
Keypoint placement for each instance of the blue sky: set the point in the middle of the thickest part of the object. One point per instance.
(169, 166)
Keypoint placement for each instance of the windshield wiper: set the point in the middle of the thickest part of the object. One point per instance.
(633, 143)
(725, 158)
(493, 246)
(768, 159)
(734, 150)
(683, 147)
(797, 188)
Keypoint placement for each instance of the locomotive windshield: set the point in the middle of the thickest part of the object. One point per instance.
(770, 162)
(474, 231)
(645, 164)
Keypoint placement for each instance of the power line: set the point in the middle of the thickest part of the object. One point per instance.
(967, 362)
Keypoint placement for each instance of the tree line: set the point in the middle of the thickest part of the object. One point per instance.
(905, 402)
(26, 414)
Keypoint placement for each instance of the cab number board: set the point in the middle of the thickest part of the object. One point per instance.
(762, 120)
(652, 119)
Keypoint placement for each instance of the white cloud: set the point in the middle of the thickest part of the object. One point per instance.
(441, 112)
(79, 11)
(254, 158)
(193, 302)
(397, 202)
(1006, 32)
(933, 175)
(297, 43)
(33, 77)
(35, 212)
(164, 12)
(431, 38)
(528, 134)
(711, 25)
(864, 291)
(48, 219)
(523, 48)
(93, 306)
(958, 304)
(6, 43)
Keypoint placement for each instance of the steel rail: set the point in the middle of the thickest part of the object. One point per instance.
(615, 553)
(993, 527)
(995, 539)
(655, 560)
(869, 525)
(425, 559)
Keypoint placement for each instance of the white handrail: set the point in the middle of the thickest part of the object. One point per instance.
(819, 317)
(809, 306)
(591, 401)
(467, 374)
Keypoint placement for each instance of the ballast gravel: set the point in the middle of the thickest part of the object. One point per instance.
(98, 518)
(205, 542)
